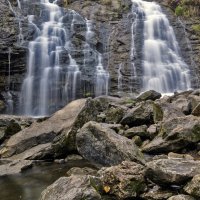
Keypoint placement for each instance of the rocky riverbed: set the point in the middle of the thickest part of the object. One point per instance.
(141, 148)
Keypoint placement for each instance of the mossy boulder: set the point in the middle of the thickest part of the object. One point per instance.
(2, 105)
(12, 128)
(75, 187)
(172, 171)
(181, 197)
(123, 181)
(114, 114)
(101, 145)
(175, 134)
(149, 95)
(143, 113)
(193, 187)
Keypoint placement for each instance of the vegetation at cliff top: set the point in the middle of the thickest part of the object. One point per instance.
(185, 8)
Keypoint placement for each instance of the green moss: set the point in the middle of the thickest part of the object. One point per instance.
(179, 11)
(196, 28)
(157, 113)
(136, 186)
(96, 184)
(129, 101)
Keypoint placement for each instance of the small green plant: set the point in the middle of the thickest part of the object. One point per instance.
(196, 28)
(88, 94)
(179, 11)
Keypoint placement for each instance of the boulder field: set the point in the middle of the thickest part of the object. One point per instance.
(141, 148)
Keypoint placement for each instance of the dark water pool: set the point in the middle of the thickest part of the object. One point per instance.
(30, 184)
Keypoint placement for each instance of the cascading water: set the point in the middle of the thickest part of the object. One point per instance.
(120, 78)
(51, 82)
(8, 95)
(72, 78)
(102, 78)
(163, 68)
(40, 89)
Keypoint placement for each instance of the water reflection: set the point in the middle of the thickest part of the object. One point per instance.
(30, 184)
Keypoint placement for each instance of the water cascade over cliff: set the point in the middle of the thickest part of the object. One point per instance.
(163, 68)
(50, 83)
(73, 53)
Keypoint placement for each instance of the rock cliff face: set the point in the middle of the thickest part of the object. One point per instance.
(113, 32)
(10, 47)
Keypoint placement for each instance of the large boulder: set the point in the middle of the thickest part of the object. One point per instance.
(157, 193)
(175, 134)
(114, 114)
(149, 95)
(99, 144)
(193, 187)
(14, 167)
(183, 104)
(43, 132)
(139, 115)
(58, 131)
(66, 142)
(10, 124)
(172, 171)
(181, 197)
(72, 188)
(136, 131)
(169, 110)
(123, 181)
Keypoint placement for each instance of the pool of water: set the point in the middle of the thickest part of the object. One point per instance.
(30, 184)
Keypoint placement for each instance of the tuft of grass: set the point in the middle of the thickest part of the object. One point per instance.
(179, 11)
(196, 28)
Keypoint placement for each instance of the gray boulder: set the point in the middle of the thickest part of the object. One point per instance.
(157, 193)
(10, 124)
(43, 132)
(81, 171)
(172, 171)
(149, 95)
(136, 131)
(14, 167)
(181, 197)
(71, 188)
(175, 134)
(123, 181)
(139, 115)
(193, 187)
(114, 114)
(101, 145)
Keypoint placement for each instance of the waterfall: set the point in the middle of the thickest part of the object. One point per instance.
(53, 76)
(41, 91)
(102, 78)
(163, 68)
(8, 95)
(19, 4)
(72, 79)
(120, 78)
